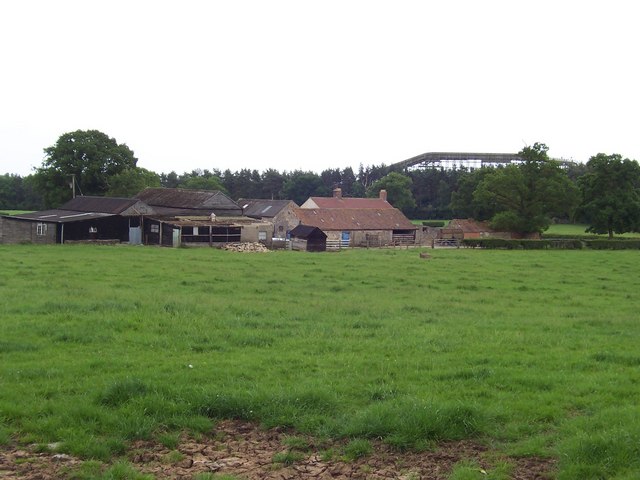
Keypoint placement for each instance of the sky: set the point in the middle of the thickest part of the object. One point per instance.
(295, 84)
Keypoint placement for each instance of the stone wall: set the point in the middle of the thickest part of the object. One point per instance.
(23, 231)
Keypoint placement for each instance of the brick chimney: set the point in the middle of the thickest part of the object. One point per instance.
(337, 192)
(383, 195)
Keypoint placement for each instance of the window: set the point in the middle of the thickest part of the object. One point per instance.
(41, 229)
(155, 228)
(195, 230)
(262, 236)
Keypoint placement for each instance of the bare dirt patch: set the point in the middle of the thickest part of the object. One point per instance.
(246, 451)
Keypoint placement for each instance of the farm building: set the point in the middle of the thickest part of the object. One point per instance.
(459, 229)
(205, 231)
(360, 227)
(172, 202)
(357, 222)
(338, 201)
(80, 219)
(280, 213)
(467, 228)
(198, 218)
(309, 239)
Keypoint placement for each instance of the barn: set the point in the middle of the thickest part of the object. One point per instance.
(357, 222)
(280, 213)
(173, 202)
(309, 239)
(198, 218)
(82, 219)
(360, 227)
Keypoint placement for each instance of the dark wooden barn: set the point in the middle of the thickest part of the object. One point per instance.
(80, 219)
(308, 238)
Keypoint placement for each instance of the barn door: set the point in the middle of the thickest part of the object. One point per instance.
(176, 237)
(345, 239)
(135, 235)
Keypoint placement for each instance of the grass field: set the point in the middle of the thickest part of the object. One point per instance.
(531, 352)
(580, 229)
(13, 212)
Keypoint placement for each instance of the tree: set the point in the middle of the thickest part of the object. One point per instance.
(131, 181)
(272, 182)
(398, 189)
(202, 182)
(299, 186)
(610, 195)
(90, 155)
(525, 197)
(169, 180)
(463, 203)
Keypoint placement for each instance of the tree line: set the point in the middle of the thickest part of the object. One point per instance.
(524, 197)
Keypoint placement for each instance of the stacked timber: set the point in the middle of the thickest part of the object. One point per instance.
(245, 247)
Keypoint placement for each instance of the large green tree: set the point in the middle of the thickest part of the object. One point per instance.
(525, 197)
(131, 181)
(610, 195)
(91, 156)
(398, 189)
(300, 185)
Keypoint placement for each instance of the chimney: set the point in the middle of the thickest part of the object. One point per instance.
(337, 192)
(383, 195)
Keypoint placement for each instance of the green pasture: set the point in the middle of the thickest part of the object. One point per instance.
(13, 212)
(534, 353)
(579, 230)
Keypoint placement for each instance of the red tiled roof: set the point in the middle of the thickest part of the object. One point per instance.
(354, 218)
(347, 202)
(468, 225)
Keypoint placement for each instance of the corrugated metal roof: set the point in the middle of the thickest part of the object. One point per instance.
(112, 205)
(354, 218)
(61, 216)
(346, 202)
(178, 198)
(253, 207)
(205, 221)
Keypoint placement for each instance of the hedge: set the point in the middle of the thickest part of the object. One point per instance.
(495, 243)
(613, 244)
(433, 223)
(558, 243)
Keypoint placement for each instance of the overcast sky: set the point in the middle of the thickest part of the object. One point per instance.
(312, 85)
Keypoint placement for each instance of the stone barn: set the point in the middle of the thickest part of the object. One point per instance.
(280, 213)
(360, 227)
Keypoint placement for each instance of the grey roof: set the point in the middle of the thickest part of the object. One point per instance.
(259, 208)
(112, 205)
(177, 201)
(306, 231)
(61, 216)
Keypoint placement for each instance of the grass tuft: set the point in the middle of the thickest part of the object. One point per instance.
(357, 448)
(122, 391)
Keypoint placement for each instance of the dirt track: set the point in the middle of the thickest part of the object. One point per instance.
(246, 451)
